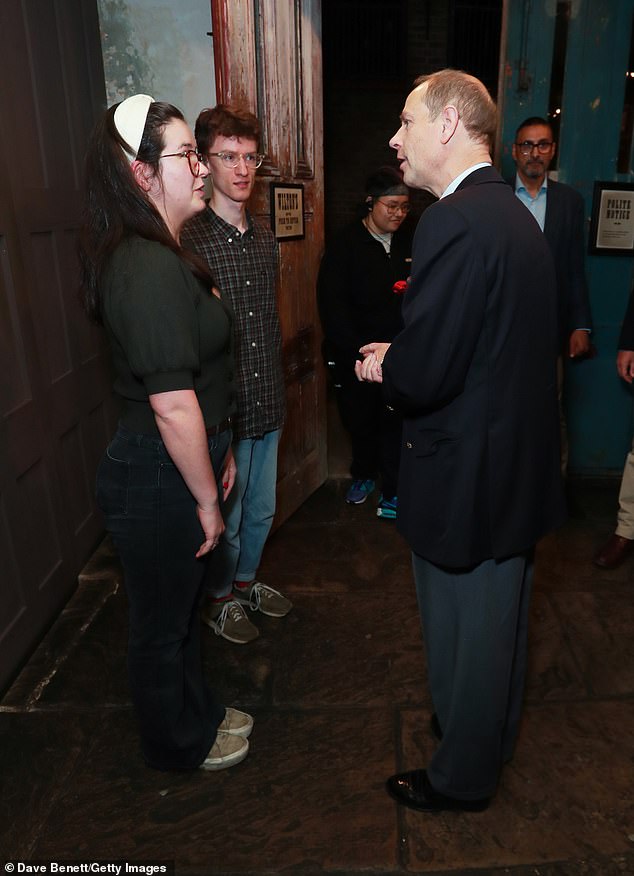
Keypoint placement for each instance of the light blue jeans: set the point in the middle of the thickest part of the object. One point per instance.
(248, 514)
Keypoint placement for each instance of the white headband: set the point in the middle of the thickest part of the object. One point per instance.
(129, 119)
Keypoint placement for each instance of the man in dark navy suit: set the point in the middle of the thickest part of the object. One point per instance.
(474, 374)
(559, 212)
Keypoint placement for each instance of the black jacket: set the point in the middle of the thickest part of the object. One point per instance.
(355, 294)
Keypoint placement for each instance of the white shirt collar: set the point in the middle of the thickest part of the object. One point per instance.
(451, 188)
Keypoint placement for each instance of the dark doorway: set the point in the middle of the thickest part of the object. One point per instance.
(373, 50)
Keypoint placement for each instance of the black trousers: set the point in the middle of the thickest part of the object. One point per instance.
(151, 516)
(375, 430)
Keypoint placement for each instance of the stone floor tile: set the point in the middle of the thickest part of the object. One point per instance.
(309, 792)
(355, 557)
(599, 627)
(553, 671)
(357, 651)
(565, 796)
(94, 672)
(59, 644)
(564, 562)
(39, 752)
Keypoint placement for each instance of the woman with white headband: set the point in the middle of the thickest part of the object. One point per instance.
(163, 477)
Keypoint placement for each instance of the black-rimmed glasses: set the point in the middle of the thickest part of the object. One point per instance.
(232, 159)
(194, 159)
(527, 146)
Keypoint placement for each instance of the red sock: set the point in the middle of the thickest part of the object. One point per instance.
(242, 585)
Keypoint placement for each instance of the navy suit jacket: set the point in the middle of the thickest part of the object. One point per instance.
(474, 373)
(563, 230)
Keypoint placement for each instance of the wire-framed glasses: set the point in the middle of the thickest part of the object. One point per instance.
(527, 146)
(193, 156)
(395, 209)
(232, 159)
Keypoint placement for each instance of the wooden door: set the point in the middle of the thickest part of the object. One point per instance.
(268, 57)
(54, 393)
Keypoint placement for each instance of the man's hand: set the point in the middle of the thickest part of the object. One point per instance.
(228, 475)
(579, 343)
(370, 369)
(625, 364)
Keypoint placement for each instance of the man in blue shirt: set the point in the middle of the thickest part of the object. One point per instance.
(559, 211)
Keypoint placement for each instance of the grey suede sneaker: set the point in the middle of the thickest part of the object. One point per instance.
(228, 619)
(260, 597)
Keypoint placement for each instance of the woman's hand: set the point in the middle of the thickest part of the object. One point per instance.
(180, 422)
(213, 527)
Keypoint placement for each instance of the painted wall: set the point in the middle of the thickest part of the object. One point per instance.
(160, 48)
(600, 407)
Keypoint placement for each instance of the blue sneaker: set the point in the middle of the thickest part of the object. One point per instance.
(359, 492)
(387, 507)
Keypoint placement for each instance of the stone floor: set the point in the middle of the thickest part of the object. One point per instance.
(340, 700)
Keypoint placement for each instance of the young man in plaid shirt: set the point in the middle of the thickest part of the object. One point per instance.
(242, 256)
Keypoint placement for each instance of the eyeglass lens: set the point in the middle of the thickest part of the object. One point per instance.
(395, 208)
(527, 146)
(193, 157)
(232, 159)
(194, 160)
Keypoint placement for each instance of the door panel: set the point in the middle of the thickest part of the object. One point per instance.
(268, 56)
(54, 365)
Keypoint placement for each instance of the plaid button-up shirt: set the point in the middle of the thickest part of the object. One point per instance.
(244, 268)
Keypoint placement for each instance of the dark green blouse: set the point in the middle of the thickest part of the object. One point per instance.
(167, 332)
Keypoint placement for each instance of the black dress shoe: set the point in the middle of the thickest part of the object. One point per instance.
(434, 724)
(414, 789)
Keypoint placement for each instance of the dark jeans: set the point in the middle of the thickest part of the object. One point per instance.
(151, 516)
(375, 430)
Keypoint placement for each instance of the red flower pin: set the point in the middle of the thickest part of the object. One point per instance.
(400, 287)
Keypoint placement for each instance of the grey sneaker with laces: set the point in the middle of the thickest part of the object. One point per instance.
(260, 597)
(228, 619)
(226, 751)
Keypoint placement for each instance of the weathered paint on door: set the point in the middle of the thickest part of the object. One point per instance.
(268, 56)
